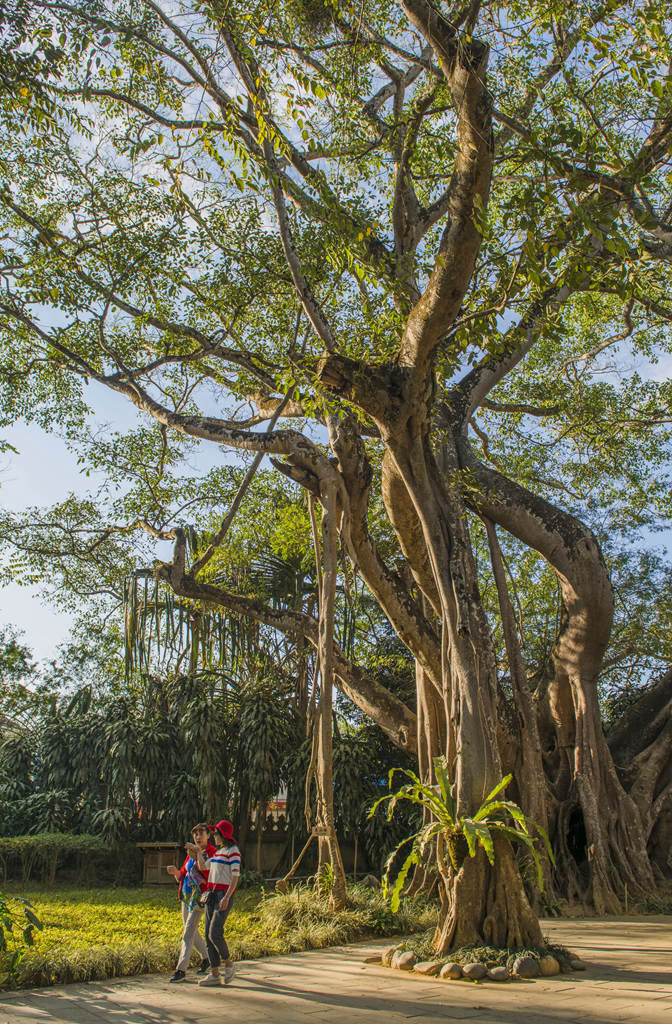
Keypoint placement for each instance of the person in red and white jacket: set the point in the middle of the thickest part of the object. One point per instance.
(224, 872)
(192, 881)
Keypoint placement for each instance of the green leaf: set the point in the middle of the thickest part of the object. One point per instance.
(544, 835)
(468, 831)
(389, 862)
(446, 788)
(498, 789)
(509, 807)
(484, 836)
(413, 858)
(32, 917)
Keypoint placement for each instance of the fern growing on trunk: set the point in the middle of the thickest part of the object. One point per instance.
(455, 836)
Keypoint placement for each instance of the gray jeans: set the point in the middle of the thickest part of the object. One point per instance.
(191, 937)
(215, 920)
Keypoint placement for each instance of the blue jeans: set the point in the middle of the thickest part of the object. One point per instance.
(215, 918)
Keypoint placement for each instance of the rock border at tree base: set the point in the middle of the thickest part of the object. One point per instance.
(522, 965)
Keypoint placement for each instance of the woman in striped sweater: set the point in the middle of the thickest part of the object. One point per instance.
(224, 871)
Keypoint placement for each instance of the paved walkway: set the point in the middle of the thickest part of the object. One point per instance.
(629, 978)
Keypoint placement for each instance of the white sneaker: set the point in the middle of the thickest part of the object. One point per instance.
(211, 980)
(229, 973)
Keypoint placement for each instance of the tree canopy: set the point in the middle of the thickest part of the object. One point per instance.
(418, 255)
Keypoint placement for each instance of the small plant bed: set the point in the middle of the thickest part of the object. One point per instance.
(478, 963)
(107, 933)
(656, 904)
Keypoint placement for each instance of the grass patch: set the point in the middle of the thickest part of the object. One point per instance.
(108, 933)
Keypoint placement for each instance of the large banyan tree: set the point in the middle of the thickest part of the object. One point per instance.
(402, 249)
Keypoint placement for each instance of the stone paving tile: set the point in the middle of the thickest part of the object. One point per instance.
(24, 1015)
(61, 1008)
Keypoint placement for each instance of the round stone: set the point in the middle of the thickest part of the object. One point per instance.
(451, 971)
(475, 971)
(403, 961)
(427, 967)
(549, 966)
(386, 956)
(526, 967)
(498, 974)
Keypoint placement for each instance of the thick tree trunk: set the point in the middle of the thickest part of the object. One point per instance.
(456, 705)
(468, 669)
(431, 743)
(586, 781)
(486, 905)
(329, 849)
(529, 770)
(641, 746)
(480, 903)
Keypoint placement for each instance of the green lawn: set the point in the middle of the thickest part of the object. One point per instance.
(95, 934)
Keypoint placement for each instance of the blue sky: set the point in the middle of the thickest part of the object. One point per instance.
(43, 472)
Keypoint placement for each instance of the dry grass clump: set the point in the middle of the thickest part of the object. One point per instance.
(59, 966)
(308, 921)
(302, 919)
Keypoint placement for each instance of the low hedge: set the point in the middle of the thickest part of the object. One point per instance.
(44, 850)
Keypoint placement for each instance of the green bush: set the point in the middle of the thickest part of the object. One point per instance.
(250, 879)
(44, 850)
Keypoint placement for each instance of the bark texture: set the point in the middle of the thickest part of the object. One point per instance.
(483, 904)
(583, 779)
